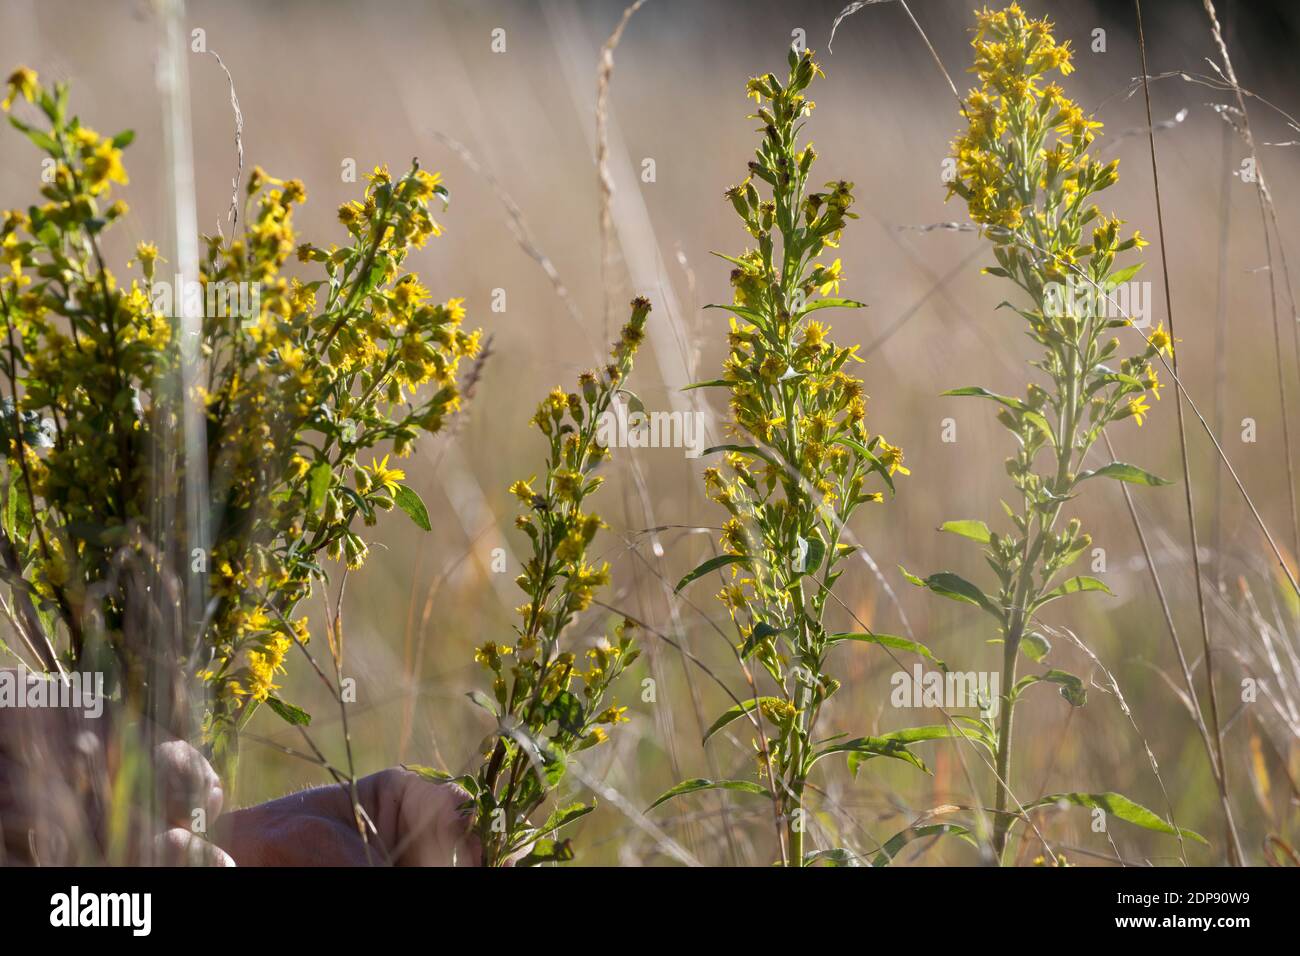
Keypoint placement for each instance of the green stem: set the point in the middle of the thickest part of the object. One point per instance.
(1002, 822)
(796, 830)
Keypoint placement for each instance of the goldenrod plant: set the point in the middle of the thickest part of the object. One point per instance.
(550, 698)
(1024, 171)
(803, 463)
(299, 386)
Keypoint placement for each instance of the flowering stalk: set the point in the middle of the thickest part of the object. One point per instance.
(293, 394)
(1026, 177)
(540, 719)
(802, 462)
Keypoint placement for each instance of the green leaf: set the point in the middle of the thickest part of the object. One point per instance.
(908, 735)
(833, 304)
(11, 511)
(40, 139)
(978, 392)
(700, 783)
(1015, 404)
(1120, 806)
(563, 816)
(861, 749)
(548, 851)
(890, 640)
(742, 310)
(557, 764)
(1121, 275)
(747, 450)
(429, 773)
(634, 404)
(975, 530)
(410, 502)
(899, 840)
(955, 588)
(290, 713)
(761, 632)
(1073, 585)
(484, 701)
(318, 484)
(1041, 423)
(731, 714)
(865, 453)
(567, 711)
(1122, 471)
(1035, 646)
(810, 554)
(124, 139)
(1072, 688)
(834, 857)
(721, 561)
(711, 383)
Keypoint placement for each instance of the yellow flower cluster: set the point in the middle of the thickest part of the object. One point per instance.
(532, 679)
(300, 376)
(789, 388)
(1023, 136)
(803, 455)
(1023, 169)
(345, 356)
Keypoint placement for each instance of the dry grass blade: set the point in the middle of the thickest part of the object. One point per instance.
(233, 215)
(604, 72)
(853, 8)
(519, 229)
(1267, 211)
(1234, 842)
(1127, 711)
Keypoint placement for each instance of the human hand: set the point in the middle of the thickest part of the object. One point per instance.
(417, 822)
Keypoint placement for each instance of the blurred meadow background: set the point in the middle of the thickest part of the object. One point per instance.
(514, 134)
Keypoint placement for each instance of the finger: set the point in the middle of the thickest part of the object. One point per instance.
(188, 784)
(435, 824)
(177, 847)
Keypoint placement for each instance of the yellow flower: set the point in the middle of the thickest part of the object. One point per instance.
(385, 476)
(294, 192)
(22, 82)
(455, 310)
(426, 183)
(490, 654)
(776, 709)
(612, 715)
(1153, 383)
(523, 490)
(567, 484)
(814, 333)
(571, 548)
(104, 166)
(409, 293)
(146, 253)
(1161, 341)
(734, 538)
(891, 457)
(1138, 408)
(830, 278)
